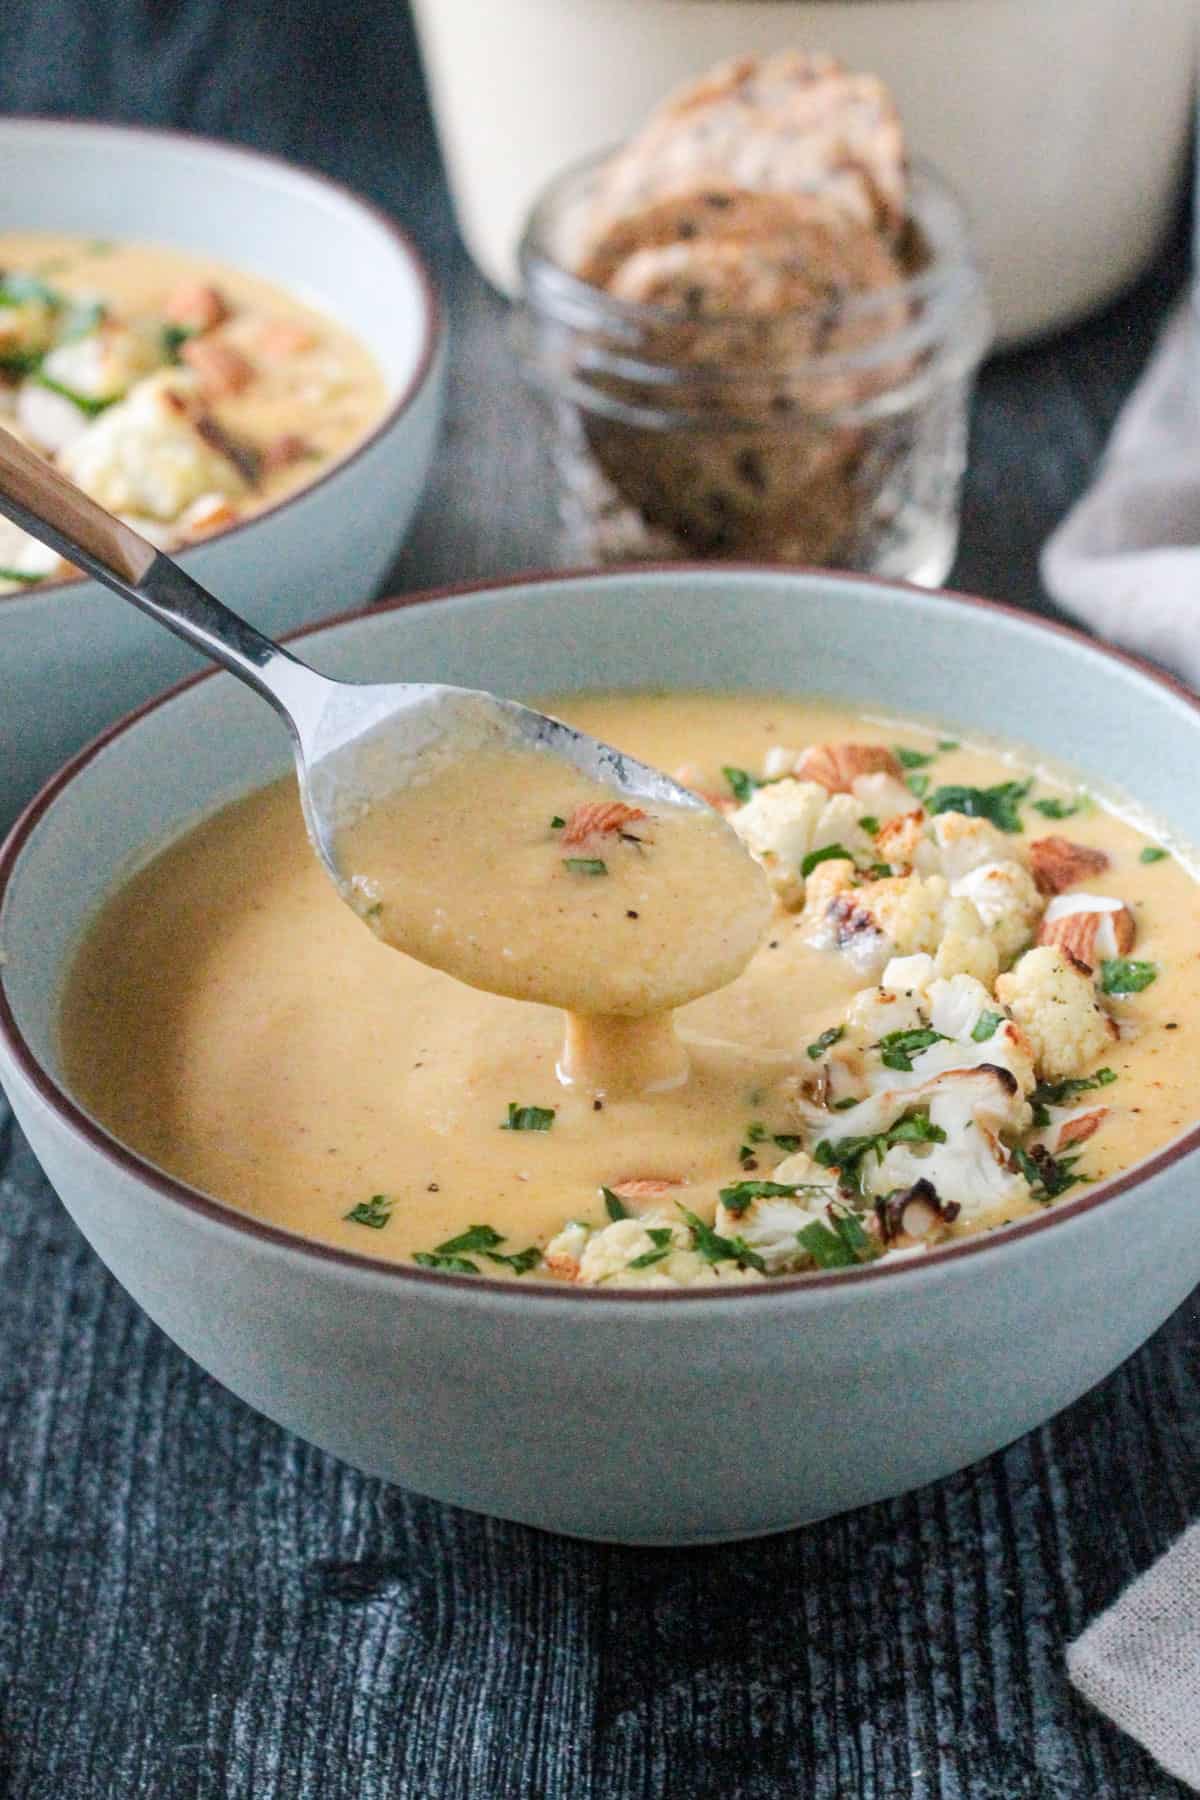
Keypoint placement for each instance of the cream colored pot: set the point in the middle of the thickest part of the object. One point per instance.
(1064, 123)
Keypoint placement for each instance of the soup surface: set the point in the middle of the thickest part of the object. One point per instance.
(972, 995)
(178, 392)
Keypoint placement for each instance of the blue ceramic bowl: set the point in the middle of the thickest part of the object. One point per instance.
(645, 1417)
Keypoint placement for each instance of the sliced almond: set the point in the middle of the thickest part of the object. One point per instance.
(1078, 1130)
(285, 450)
(1089, 932)
(220, 368)
(565, 1267)
(599, 818)
(195, 306)
(837, 766)
(279, 339)
(1058, 864)
(644, 1187)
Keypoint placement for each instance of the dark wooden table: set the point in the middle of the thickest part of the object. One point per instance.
(195, 1606)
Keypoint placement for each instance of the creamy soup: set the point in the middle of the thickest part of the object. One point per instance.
(178, 392)
(974, 993)
(517, 873)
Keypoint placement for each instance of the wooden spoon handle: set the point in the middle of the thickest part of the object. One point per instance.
(76, 523)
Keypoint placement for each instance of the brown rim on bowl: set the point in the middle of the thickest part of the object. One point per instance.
(223, 1213)
(433, 324)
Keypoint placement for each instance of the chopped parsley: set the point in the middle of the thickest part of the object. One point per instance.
(1059, 1093)
(737, 1199)
(557, 823)
(741, 785)
(756, 1132)
(1048, 1176)
(913, 759)
(1054, 808)
(997, 804)
(585, 865)
(21, 576)
(374, 1212)
(870, 824)
(986, 1026)
(840, 1244)
(831, 853)
(899, 1047)
(661, 1237)
(948, 744)
(826, 1041)
(17, 289)
(711, 1247)
(520, 1262)
(475, 1237)
(917, 785)
(848, 1154)
(474, 1241)
(786, 1141)
(528, 1118)
(1119, 975)
(83, 403)
(614, 1206)
(880, 871)
(174, 337)
(1153, 853)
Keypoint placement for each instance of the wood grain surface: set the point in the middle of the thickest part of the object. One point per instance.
(196, 1606)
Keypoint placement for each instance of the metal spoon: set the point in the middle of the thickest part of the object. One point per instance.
(353, 742)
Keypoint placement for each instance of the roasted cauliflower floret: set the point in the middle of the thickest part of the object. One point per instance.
(877, 1012)
(971, 1167)
(563, 1253)
(787, 820)
(104, 364)
(900, 840)
(881, 796)
(148, 454)
(955, 844)
(968, 953)
(653, 1251)
(1055, 1005)
(900, 915)
(770, 1226)
(1006, 898)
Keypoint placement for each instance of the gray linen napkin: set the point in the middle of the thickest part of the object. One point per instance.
(1140, 1661)
(1126, 560)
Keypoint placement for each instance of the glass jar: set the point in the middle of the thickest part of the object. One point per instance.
(833, 434)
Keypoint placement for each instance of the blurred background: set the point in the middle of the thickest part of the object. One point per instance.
(342, 89)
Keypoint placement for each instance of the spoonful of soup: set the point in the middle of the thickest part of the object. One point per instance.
(473, 833)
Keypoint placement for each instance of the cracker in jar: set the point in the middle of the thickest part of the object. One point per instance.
(773, 307)
(718, 213)
(789, 494)
(789, 124)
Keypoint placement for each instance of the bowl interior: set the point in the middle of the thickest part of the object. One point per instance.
(259, 214)
(972, 666)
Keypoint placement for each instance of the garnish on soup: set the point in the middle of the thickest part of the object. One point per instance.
(951, 1020)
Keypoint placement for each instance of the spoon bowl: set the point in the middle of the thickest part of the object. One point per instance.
(354, 743)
